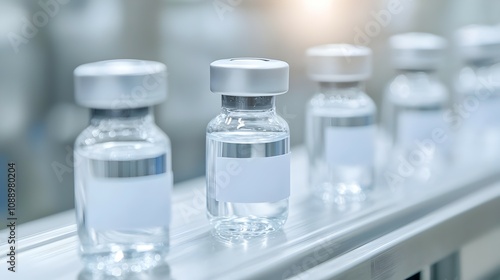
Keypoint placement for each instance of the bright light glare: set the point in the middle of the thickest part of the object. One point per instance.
(317, 6)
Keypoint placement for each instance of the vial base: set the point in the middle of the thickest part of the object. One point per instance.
(121, 259)
(342, 185)
(240, 228)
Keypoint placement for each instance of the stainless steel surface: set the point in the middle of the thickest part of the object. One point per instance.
(447, 268)
(418, 244)
(390, 236)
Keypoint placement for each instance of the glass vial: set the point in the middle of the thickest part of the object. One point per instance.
(123, 176)
(248, 149)
(414, 110)
(340, 125)
(476, 112)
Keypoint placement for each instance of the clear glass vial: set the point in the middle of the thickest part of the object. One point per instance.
(415, 103)
(123, 176)
(248, 149)
(476, 112)
(340, 126)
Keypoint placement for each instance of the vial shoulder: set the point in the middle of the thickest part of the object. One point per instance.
(248, 123)
(471, 82)
(138, 136)
(424, 91)
(341, 106)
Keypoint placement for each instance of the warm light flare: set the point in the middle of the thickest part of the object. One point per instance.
(317, 6)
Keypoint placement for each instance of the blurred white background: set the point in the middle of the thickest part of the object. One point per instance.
(43, 41)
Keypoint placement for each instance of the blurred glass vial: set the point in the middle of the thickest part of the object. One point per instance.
(340, 123)
(415, 103)
(123, 176)
(248, 149)
(476, 112)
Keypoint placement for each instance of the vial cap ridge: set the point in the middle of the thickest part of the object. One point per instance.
(339, 63)
(120, 84)
(417, 51)
(478, 42)
(247, 76)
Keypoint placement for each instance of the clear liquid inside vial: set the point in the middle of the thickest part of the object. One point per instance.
(120, 228)
(414, 146)
(415, 123)
(481, 130)
(415, 127)
(243, 221)
(334, 181)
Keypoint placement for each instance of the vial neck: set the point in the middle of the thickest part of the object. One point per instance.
(344, 89)
(429, 74)
(482, 68)
(134, 115)
(416, 73)
(245, 103)
(481, 64)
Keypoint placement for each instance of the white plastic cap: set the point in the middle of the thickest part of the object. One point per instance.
(339, 63)
(479, 42)
(249, 77)
(417, 51)
(120, 84)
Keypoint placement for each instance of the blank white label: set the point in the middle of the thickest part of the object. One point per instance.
(350, 146)
(418, 125)
(128, 203)
(252, 180)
